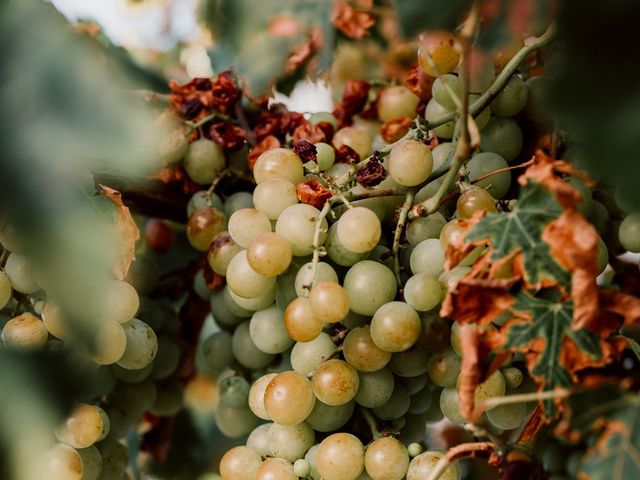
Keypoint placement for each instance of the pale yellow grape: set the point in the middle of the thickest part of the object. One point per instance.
(410, 163)
(21, 273)
(302, 468)
(329, 302)
(120, 301)
(301, 321)
(428, 257)
(335, 382)
(494, 386)
(355, 137)
(306, 356)
(289, 398)
(54, 320)
(269, 254)
(423, 292)
(86, 425)
(386, 459)
(268, 331)
(396, 101)
(359, 229)
(340, 457)
(279, 163)
(507, 417)
(110, 342)
(369, 285)
(337, 252)
(221, 251)
(256, 396)
(456, 340)
(62, 462)
(323, 272)
(5, 289)
(24, 332)
(421, 467)
(444, 367)
(328, 418)
(362, 353)
(204, 160)
(290, 442)
(275, 469)
(244, 280)
(235, 422)
(423, 228)
(395, 327)
(253, 304)
(513, 377)
(91, 463)
(297, 224)
(239, 463)
(434, 111)
(258, 439)
(272, 196)
(246, 224)
(142, 345)
(245, 351)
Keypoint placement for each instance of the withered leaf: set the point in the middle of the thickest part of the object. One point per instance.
(313, 193)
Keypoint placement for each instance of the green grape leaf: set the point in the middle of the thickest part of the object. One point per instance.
(548, 320)
(414, 17)
(521, 230)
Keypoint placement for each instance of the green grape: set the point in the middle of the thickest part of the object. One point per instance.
(358, 229)
(440, 154)
(456, 342)
(21, 273)
(86, 425)
(141, 347)
(507, 417)
(450, 405)
(245, 350)
(502, 136)
(330, 374)
(216, 350)
(290, 442)
(289, 398)
(386, 459)
(442, 88)
(302, 468)
(414, 384)
(329, 301)
(135, 398)
(585, 205)
(268, 331)
(423, 292)
(512, 377)
(602, 260)
(512, 98)
(258, 439)
(91, 463)
(252, 304)
(239, 463)
(428, 257)
(409, 163)
(355, 137)
(306, 356)
(421, 401)
(273, 196)
(323, 272)
(237, 201)
(204, 161)
(115, 458)
(600, 217)
(173, 147)
(5, 289)
(286, 287)
(318, 117)
(325, 156)
(395, 327)
(235, 422)
(414, 449)
(338, 253)
(369, 285)
(375, 388)
(203, 225)
(256, 396)
(202, 199)
(328, 418)
(449, 278)
(244, 280)
(278, 163)
(234, 391)
(433, 112)
(24, 332)
(340, 457)
(301, 322)
(537, 106)
(246, 224)
(494, 386)
(169, 399)
(396, 406)
(62, 462)
(437, 54)
(361, 352)
(409, 363)
(487, 162)
(423, 228)
(118, 422)
(200, 286)
(444, 367)
(396, 101)
(131, 376)
(422, 466)
(629, 232)
(167, 359)
(482, 119)
(297, 224)
(475, 200)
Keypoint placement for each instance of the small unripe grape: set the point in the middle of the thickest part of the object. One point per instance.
(512, 377)
(335, 382)
(279, 163)
(204, 224)
(204, 161)
(396, 101)
(301, 321)
(629, 232)
(359, 229)
(437, 54)
(329, 302)
(239, 463)
(355, 137)
(475, 200)
(289, 398)
(502, 136)
(410, 163)
(340, 457)
(173, 147)
(302, 468)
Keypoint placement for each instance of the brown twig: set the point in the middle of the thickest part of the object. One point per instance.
(465, 450)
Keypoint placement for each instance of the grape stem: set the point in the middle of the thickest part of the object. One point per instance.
(318, 251)
(465, 450)
(493, 402)
(373, 425)
(402, 220)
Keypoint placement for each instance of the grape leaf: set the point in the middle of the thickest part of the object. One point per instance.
(549, 320)
(521, 230)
